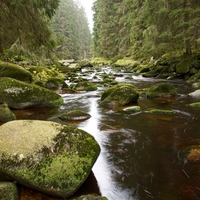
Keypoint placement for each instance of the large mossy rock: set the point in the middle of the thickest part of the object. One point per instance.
(85, 86)
(46, 156)
(6, 114)
(8, 191)
(15, 71)
(161, 90)
(183, 67)
(20, 95)
(119, 95)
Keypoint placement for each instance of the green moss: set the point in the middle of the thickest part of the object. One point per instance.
(99, 60)
(18, 94)
(160, 111)
(15, 71)
(6, 114)
(132, 109)
(86, 86)
(183, 67)
(126, 62)
(119, 95)
(8, 191)
(75, 115)
(161, 90)
(195, 105)
(59, 166)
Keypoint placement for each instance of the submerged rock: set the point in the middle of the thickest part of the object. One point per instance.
(20, 95)
(132, 109)
(8, 191)
(161, 90)
(46, 156)
(76, 115)
(160, 111)
(195, 105)
(119, 95)
(6, 114)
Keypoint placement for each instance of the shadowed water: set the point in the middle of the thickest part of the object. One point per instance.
(140, 153)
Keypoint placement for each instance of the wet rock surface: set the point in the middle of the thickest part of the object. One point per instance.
(46, 156)
(20, 95)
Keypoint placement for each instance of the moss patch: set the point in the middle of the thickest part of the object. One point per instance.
(161, 90)
(75, 115)
(14, 71)
(160, 111)
(119, 95)
(8, 191)
(46, 156)
(20, 95)
(6, 114)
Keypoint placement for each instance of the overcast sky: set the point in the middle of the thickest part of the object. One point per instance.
(87, 4)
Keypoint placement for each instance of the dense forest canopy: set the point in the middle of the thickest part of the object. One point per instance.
(145, 27)
(44, 27)
(71, 29)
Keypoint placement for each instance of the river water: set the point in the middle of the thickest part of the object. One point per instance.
(140, 153)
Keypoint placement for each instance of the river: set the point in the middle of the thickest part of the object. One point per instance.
(140, 153)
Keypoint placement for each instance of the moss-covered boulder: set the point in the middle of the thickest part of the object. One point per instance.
(19, 95)
(85, 86)
(55, 83)
(15, 71)
(183, 67)
(6, 114)
(161, 90)
(8, 191)
(46, 156)
(75, 115)
(119, 95)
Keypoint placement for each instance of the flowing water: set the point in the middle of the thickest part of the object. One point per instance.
(140, 153)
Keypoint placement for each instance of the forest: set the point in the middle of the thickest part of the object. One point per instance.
(44, 29)
(122, 28)
(142, 28)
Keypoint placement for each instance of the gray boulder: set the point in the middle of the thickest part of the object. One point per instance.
(20, 95)
(46, 156)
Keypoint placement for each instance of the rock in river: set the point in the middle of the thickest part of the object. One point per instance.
(46, 156)
(75, 115)
(6, 114)
(119, 95)
(20, 95)
(161, 90)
